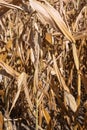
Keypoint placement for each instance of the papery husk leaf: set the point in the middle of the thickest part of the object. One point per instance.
(70, 101)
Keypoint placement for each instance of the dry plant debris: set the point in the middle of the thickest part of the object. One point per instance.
(43, 65)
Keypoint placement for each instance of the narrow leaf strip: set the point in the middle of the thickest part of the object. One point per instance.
(76, 60)
(79, 89)
(59, 76)
(46, 115)
(26, 91)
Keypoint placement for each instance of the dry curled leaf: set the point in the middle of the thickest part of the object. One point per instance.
(70, 101)
(50, 15)
(22, 84)
(9, 69)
